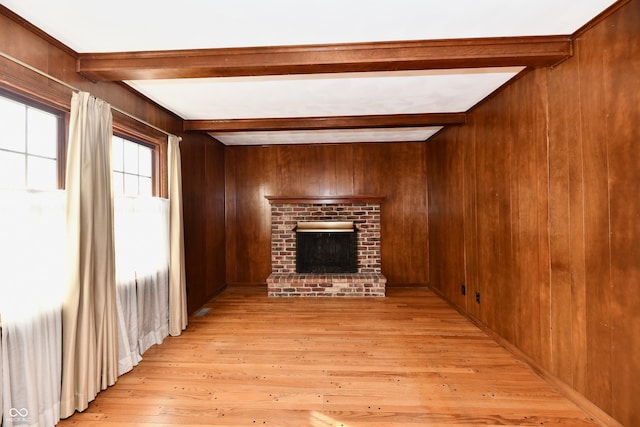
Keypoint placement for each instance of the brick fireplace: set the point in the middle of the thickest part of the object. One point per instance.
(287, 212)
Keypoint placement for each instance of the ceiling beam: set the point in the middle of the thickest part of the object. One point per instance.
(331, 58)
(318, 123)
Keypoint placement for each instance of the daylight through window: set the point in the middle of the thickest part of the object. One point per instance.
(29, 141)
(132, 165)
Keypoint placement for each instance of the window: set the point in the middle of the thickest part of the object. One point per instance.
(132, 164)
(29, 142)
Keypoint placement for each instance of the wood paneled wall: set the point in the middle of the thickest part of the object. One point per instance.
(533, 204)
(396, 171)
(204, 225)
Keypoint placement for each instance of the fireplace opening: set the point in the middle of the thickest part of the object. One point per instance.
(326, 247)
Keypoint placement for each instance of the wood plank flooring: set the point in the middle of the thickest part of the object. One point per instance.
(405, 360)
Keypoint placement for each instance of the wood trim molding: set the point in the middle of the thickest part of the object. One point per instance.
(333, 122)
(601, 17)
(533, 51)
(37, 31)
(332, 199)
(14, 78)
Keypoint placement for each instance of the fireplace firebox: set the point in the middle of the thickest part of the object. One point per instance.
(326, 247)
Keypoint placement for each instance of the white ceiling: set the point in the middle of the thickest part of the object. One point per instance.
(343, 94)
(142, 25)
(327, 136)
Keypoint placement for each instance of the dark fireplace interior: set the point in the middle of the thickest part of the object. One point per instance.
(326, 247)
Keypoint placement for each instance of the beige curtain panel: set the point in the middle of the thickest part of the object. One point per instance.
(177, 279)
(89, 342)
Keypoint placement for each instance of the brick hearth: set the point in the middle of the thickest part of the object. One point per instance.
(333, 285)
(285, 214)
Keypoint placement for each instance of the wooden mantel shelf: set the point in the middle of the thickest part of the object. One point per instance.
(332, 199)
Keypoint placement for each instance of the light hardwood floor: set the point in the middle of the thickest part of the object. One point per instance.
(405, 360)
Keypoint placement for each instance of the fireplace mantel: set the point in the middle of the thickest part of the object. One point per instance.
(334, 199)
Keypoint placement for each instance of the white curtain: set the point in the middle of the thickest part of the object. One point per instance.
(177, 279)
(142, 276)
(70, 260)
(90, 340)
(32, 283)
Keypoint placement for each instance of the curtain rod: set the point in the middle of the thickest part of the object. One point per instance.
(75, 89)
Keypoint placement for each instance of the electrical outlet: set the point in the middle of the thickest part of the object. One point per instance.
(463, 289)
(478, 297)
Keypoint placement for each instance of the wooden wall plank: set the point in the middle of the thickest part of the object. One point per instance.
(493, 174)
(446, 248)
(578, 267)
(230, 211)
(315, 169)
(543, 343)
(559, 226)
(529, 213)
(214, 198)
(621, 87)
(596, 221)
(203, 213)
(470, 208)
(398, 171)
(253, 171)
(193, 173)
(566, 219)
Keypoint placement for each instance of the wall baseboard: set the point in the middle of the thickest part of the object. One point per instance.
(213, 295)
(594, 411)
(248, 284)
(407, 285)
